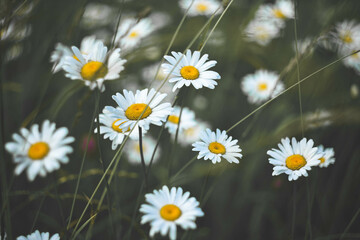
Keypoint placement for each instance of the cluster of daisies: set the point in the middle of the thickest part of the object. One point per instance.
(269, 20)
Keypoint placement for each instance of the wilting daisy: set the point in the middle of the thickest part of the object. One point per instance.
(346, 35)
(261, 86)
(187, 120)
(295, 158)
(217, 145)
(201, 7)
(165, 209)
(133, 150)
(39, 236)
(328, 156)
(261, 32)
(40, 151)
(277, 13)
(111, 129)
(132, 106)
(131, 32)
(192, 134)
(191, 69)
(95, 68)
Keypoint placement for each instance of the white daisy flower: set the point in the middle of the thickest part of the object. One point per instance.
(346, 35)
(95, 68)
(318, 118)
(295, 158)
(192, 134)
(132, 106)
(61, 52)
(133, 151)
(40, 152)
(201, 7)
(217, 145)
(97, 14)
(261, 86)
(168, 208)
(261, 32)
(187, 120)
(352, 61)
(39, 236)
(277, 13)
(111, 129)
(328, 156)
(191, 69)
(131, 32)
(303, 46)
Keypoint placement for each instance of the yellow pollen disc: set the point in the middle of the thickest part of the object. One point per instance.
(93, 70)
(262, 86)
(279, 14)
(134, 111)
(201, 7)
(295, 162)
(189, 73)
(137, 148)
(133, 34)
(38, 150)
(170, 212)
(117, 127)
(347, 38)
(173, 119)
(217, 148)
(322, 160)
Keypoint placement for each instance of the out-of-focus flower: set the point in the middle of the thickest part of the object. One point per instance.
(201, 7)
(133, 151)
(346, 36)
(328, 156)
(192, 134)
(39, 236)
(97, 14)
(319, 118)
(261, 32)
(303, 46)
(187, 120)
(354, 91)
(276, 13)
(14, 31)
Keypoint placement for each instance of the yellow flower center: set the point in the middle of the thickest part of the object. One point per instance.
(174, 119)
(137, 147)
(134, 111)
(93, 70)
(217, 148)
(201, 7)
(189, 73)
(262, 86)
(117, 127)
(38, 150)
(322, 160)
(295, 162)
(278, 13)
(347, 38)
(170, 212)
(133, 34)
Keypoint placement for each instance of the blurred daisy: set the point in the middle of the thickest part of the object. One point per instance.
(346, 35)
(277, 13)
(148, 144)
(165, 209)
(14, 30)
(190, 69)
(217, 145)
(132, 106)
(318, 118)
(295, 158)
(111, 129)
(261, 86)
(96, 14)
(261, 32)
(304, 46)
(353, 61)
(328, 156)
(192, 134)
(95, 68)
(187, 120)
(39, 236)
(201, 7)
(40, 152)
(131, 31)
(61, 52)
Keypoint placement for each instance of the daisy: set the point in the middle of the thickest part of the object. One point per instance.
(192, 134)
(40, 152)
(111, 129)
(131, 31)
(261, 32)
(95, 68)
(190, 69)
(277, 13)
(328, 156)
(295, 158)
(165, 209)
(304, 46)
(261, 86)
(97, 14)
(353, 61)
(187, 120)
(148, 144)
(143, 103)
(217, 145)
(346, 35)
(201, 7)
(39, 236)
(318, 118)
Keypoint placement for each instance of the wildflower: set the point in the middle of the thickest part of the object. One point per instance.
(148, 146)
(192, 134)
(168, 208)
(276, 13)
(187, 120)
(295, 158)
(39, 236)
(261, 32)
(132, 106)
(40, 152)
(201, 7)
(190, 69)
(217, 145)
(96, 14)
(304, 46)
(318, 118)
(328, 156)
(346, 36)
(261, 86)
(95, 68)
